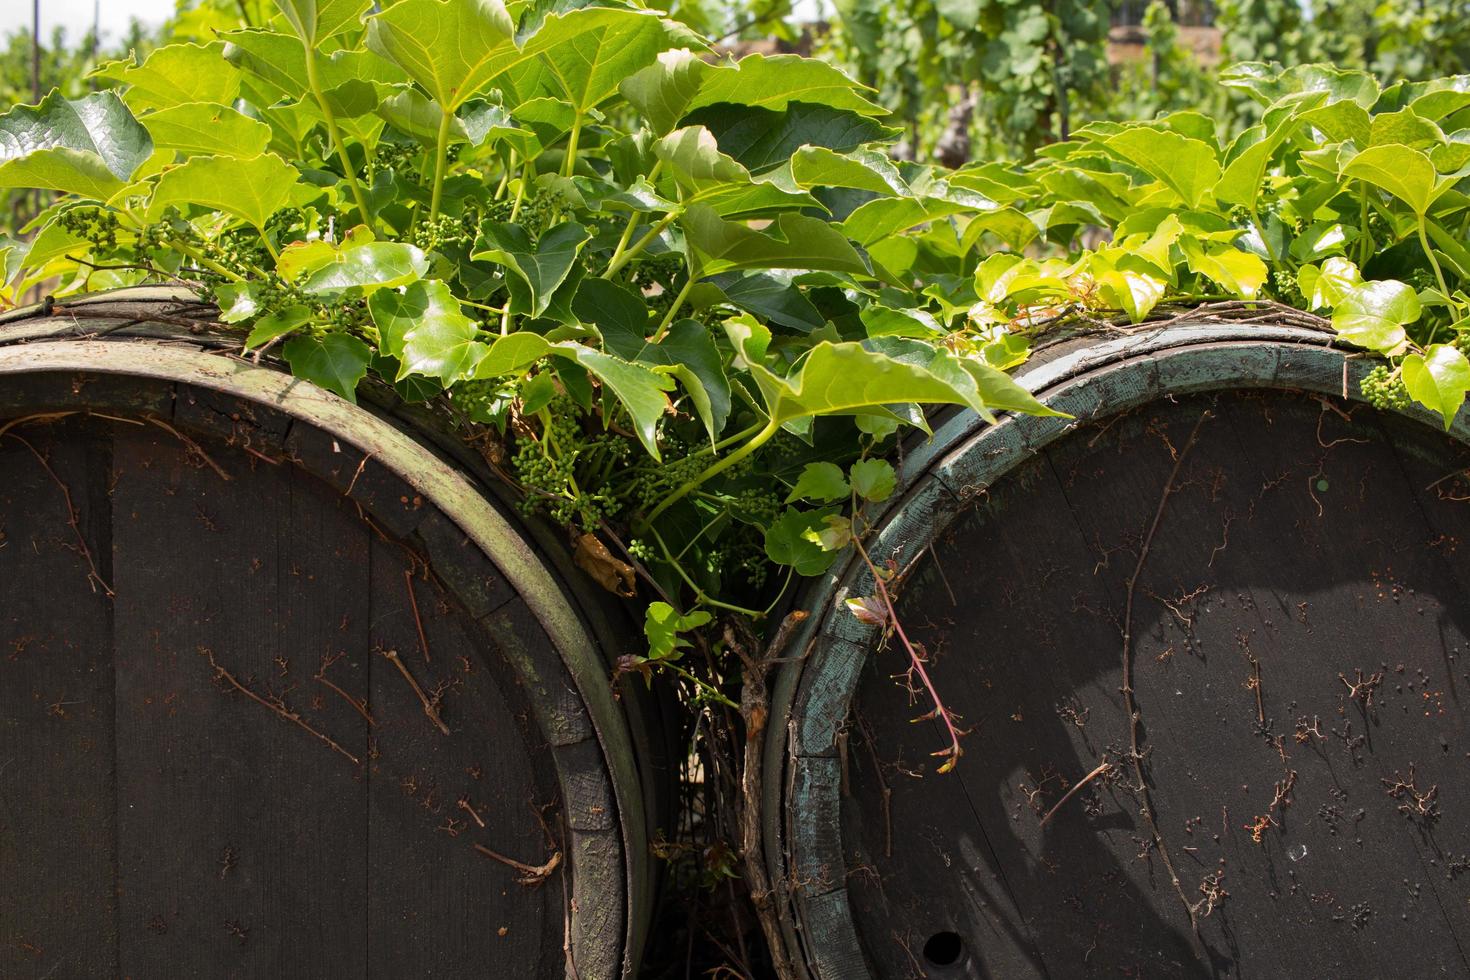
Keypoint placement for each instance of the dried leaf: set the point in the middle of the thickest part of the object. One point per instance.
(592, 557)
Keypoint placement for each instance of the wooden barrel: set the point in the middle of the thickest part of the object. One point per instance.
(1209, 641)
(284, 691)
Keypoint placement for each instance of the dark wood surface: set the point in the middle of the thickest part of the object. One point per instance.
(1296, 548)
(156, 821)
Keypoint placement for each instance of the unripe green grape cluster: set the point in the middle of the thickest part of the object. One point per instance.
(1385, 390)
(95, 225)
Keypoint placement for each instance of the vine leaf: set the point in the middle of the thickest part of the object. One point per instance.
(662, 624)
(873, 479)
(450, 47)
(396, 313)
(512, 354)
(584, 55)
(1325, 286)
(1438, 378)
(1374, 315)
(252, 189)
(537, 267)
(369, 266)
(88, 146)
(775, 81)
(1242, 273)
(176, 74)
(207, 129)
(822, 482)
(277, 324)
(335, 361)
(316, 20)
(794, 539)
(1402, 171)
(1188, 167)
(793, 241)
(663, 90)
(637, 389)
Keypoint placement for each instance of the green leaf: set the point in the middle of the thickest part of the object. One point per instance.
(1242, 273)
(865, 170)
(1325, 286)
(278, 324)
(316, 20)
(252, 189)
(886, 217)
(336, 362)
(237, 302)
(793, 241)
(442, 343)
(177, 74)
(205, 129)
(696, 160)
(584, 55)
(1402, 171)
(1251, 153)
(761, 138)
(1438, 379)
(775, 81)
(512, 354)
(538, 267)
(89, 146)
(822, 482)
(662, 91)
(636, 388)
(1188, 167)
(834, 535)
(397, 311)
(450, 47)
(369, 266)
(793, 539)
(873, 479)
(1374, 314)
(662, 625)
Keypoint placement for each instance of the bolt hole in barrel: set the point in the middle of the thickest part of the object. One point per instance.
(943, 949)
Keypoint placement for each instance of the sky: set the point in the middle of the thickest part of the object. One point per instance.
(76, 15)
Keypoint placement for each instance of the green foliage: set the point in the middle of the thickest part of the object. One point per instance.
(689, 300)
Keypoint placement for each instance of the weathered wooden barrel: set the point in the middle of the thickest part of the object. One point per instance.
(1209, 640)
(284, 691)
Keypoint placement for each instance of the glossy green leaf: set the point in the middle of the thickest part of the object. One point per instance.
(1325, 286)
(663, 90)
(177, 74)
(1374, 315)
(1438, 379)
(537, 267)
(277, 325)
(1186, 166)
(88, 146)
(1238, 272)
(764, 138)
(397, 311)
(1402, 171)
(369, 266)
(512, 354)
(662, 626)
(444, 344)
(336, 361)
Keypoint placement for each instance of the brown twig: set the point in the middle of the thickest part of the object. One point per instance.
(190, 443)
(429, 707)
(418, 621)
(465, 805)
(71, 514)
(276, 706)
(1102, 767)
(531, 874)
(360, 705)
(1130, 705)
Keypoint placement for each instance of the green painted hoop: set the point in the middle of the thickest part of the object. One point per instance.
(1086, 378)
(120, 337)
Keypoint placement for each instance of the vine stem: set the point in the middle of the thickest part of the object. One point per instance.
(642, 243)
(1130, 705)
(1444, 289)
(760, 439)
(633, 220)
(572, 139)
(335, 135)
(441, 161)
(916, 660)
(668, 320)
(699, 594)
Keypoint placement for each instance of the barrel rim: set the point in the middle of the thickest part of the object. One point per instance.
(964, 457)
(31, 342)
